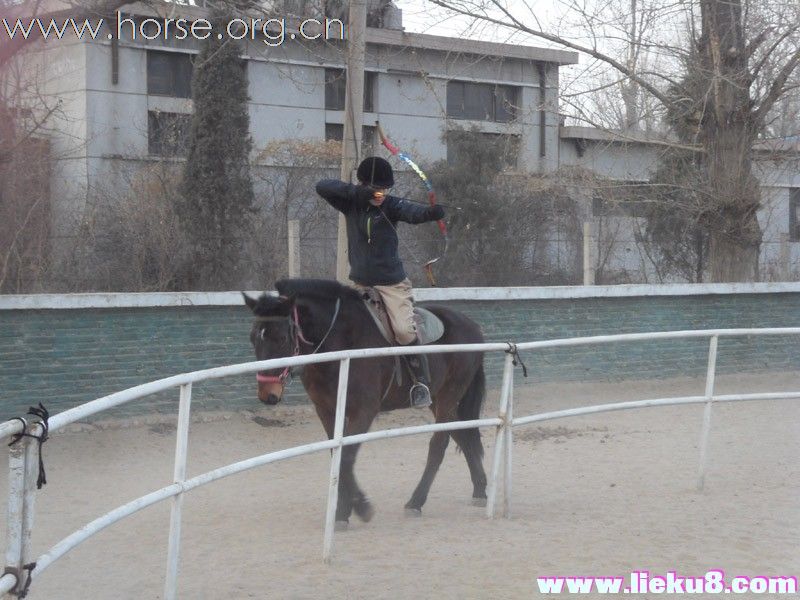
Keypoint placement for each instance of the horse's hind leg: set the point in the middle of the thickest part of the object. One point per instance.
(469, 440)
(436, 448)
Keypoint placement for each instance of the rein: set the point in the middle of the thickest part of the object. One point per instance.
(295, 332)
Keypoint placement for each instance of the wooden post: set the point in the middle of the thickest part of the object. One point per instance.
(784, 257)
(588, 253)
(293, 230)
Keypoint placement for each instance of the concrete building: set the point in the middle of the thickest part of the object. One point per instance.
(124, 103)
(631, 159)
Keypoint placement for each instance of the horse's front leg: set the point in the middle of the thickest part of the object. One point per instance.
(351, 498)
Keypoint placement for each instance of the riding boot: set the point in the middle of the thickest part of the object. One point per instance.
(420, 392)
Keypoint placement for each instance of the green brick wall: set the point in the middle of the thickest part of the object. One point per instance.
(66, 357)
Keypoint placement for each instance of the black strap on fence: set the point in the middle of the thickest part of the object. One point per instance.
(24, 591)
(21, 589)
(513, 351)
(43, 415)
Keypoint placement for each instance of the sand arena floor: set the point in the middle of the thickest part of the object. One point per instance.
(601, 495)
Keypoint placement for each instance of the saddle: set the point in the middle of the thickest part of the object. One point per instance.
(429, 327)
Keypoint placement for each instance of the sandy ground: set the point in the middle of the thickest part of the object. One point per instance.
(599, 495)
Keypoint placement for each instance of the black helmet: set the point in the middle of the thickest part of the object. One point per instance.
(375, 171)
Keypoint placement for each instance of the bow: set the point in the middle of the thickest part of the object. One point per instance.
(395, 151)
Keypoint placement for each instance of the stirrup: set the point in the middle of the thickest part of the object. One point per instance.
(420, 395)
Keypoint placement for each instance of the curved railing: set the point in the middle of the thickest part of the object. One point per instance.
(23, 455)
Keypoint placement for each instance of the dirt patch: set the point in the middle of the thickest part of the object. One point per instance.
(264, 422)
(560, 435)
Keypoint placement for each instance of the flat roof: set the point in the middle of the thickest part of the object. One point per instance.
(608, 135)
(395, 37)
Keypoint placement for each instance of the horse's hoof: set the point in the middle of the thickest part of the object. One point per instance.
(413, 512)
(340, 526)
(479, 502)
(364, 511)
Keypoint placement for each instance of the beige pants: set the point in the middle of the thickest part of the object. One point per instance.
(399, 302)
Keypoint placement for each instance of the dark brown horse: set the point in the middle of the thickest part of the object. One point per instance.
(323, 316)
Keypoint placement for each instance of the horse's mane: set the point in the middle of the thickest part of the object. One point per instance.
(267, 305)
(319, 289)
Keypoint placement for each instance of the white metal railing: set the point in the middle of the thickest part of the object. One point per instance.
(23, 456)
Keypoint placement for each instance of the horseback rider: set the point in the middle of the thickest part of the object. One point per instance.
(371, 216)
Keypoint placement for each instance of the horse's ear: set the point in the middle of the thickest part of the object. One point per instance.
(286, 304)
(250, 302)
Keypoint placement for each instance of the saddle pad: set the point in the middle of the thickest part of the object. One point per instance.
(429, 327)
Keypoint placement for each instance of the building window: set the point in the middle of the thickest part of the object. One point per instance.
(169, 74)
(369, 137)
(482, 101)
(507, 146)
(794, 215)
(336, 87)
(168, 133)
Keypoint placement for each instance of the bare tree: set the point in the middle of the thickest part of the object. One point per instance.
(717, 105)
(288, 174)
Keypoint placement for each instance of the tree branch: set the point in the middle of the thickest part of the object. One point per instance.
(516, 24)
(768, 55)
(777, 88)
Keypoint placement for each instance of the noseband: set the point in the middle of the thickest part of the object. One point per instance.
(296, 334)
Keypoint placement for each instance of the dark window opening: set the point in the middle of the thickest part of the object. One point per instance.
(369, 137)
(169, 74)
(336, 88)
(794, 215)
(482, 101)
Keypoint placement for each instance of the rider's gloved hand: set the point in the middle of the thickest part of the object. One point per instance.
(364, 193)
(435, 213)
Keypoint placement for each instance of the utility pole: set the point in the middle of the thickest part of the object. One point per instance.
(353, 117)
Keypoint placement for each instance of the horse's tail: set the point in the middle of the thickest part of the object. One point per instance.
(469, 408)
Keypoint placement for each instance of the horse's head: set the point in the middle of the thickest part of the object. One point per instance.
(277, 330)
(272, 336)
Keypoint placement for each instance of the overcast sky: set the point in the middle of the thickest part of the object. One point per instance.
(421, 16)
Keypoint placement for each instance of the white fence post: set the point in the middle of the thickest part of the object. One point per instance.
(500, 436)
(709, 394)
(336, 459)
(16, 493)
(32, 450)
(181, 443)
(23, 461)
(509, 447)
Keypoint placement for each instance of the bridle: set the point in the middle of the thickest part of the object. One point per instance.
(296, 335)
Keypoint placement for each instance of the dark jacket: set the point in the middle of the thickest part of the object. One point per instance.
(372, 241)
